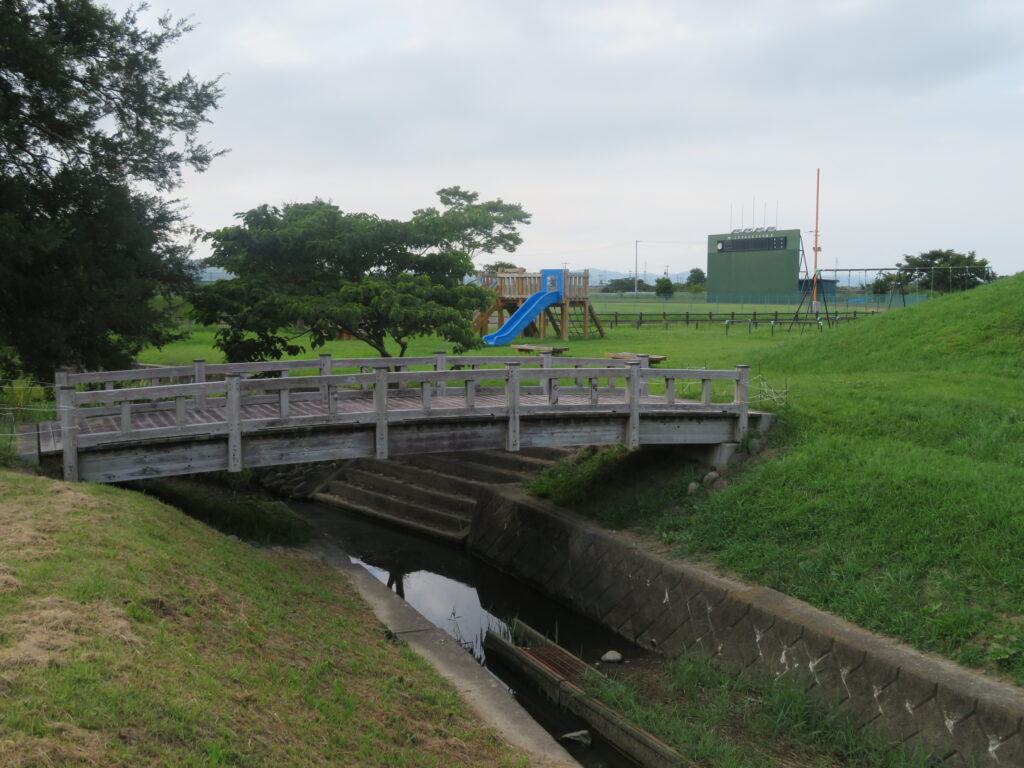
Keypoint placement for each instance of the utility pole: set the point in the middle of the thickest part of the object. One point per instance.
(636, 266)
(814, 277)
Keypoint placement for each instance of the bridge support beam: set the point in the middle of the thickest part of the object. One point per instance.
(633, 400)
(68, 430)
(199, 377)
(233, 412)
(380, 407)
(742, 400)
(512, 401)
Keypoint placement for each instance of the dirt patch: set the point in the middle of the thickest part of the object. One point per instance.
(31, 530)
(8, 580)
(66, 744)
(48, 628)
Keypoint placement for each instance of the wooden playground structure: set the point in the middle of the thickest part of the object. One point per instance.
(573, 316)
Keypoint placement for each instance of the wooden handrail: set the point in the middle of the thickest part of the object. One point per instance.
(200, 370)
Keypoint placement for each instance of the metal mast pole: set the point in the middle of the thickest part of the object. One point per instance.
(814, 277)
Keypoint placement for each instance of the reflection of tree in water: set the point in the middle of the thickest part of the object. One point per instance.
(475, 645)
(396, 581)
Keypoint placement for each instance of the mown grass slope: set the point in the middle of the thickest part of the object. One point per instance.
(133, 635)
(893, 495)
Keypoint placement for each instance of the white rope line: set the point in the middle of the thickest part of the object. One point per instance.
(51, 409)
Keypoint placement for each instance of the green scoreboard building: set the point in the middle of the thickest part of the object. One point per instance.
(754, 266)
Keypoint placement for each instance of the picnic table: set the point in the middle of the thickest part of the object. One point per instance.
(652, 359)
(532, 349)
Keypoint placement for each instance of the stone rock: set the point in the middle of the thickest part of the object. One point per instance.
(755, 446)
(612, 657)
(710, 477)
(580, 737)
(692, 488)
(720, 485)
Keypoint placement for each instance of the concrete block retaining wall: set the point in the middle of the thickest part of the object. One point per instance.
(958, 716)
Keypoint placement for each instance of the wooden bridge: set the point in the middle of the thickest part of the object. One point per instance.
(126, 425)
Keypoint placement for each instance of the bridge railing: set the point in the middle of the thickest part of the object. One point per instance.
(390, 396)
(200, 371)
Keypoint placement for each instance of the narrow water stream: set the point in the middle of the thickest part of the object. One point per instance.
(465, 597)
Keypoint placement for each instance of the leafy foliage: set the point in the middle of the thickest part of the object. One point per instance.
(309, 271)
(696, 277)
(664, 287)
(86, 115)
(946, 270)
(941, 271)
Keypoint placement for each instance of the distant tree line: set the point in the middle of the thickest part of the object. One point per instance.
(663, 287)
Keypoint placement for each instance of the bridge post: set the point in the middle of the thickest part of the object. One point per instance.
(199, 377)
(633, 400)
(440, 364)
(380, 408)
(512, 402)
(326, 368)
(742, 400)
(545, 362)
(68, 430)
(645, 362)
(233, 406)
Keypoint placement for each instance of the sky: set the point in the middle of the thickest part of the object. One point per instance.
(616, 122)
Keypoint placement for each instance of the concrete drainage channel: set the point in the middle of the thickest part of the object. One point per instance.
(445, 590)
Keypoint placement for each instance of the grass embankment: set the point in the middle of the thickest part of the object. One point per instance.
(133, 635)
(896, 501)
(726, 720)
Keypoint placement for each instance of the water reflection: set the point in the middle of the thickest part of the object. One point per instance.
(445, 602)
(455, 591)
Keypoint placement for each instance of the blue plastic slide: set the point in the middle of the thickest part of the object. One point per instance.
(551, 280)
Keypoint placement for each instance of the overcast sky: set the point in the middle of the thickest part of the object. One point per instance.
(613, 122)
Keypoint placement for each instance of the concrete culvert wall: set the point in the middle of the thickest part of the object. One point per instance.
(960, 717)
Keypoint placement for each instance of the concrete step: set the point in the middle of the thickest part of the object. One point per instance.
(554, 454)
(513, 462)
(447, 464)
(446, 533)
(406, 488)
(426, 478)
(350, 492)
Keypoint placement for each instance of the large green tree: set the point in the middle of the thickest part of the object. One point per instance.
(93, 133)
(307, 271)
(937, 270)
(946, 270)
